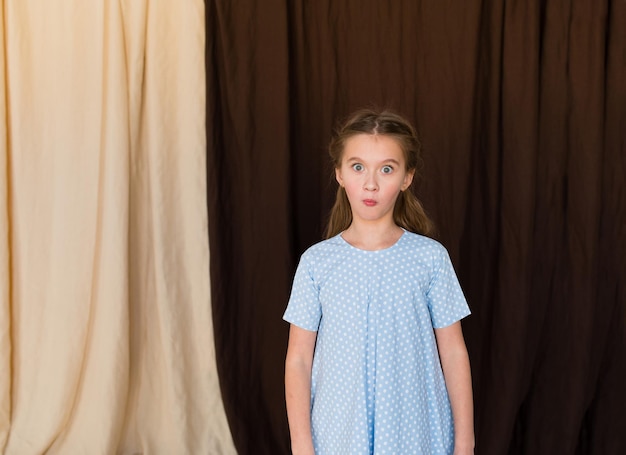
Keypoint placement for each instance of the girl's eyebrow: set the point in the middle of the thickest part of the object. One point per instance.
(389, 160)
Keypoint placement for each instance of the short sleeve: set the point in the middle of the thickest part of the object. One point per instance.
(304, 309)
(446, 301)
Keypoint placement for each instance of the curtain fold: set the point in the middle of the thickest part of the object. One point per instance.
(248, 162)
(105, 307)
(5, 256)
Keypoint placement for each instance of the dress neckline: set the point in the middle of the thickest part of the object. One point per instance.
(393, 245)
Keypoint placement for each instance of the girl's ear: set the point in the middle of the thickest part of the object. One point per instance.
(338, 176)
(408, 179)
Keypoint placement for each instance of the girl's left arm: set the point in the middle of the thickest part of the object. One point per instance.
(456, 370)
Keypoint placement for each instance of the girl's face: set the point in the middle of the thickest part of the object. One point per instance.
(373, 173)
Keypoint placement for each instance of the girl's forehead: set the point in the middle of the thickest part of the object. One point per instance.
(374, 145)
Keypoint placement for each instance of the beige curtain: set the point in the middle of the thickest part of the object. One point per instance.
(106, 340)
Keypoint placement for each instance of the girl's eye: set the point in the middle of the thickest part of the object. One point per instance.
(387, 170)
(357, 167)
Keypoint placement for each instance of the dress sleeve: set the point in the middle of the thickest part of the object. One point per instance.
(445, 298)
(304, 308)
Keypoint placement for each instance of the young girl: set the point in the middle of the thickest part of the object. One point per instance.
(376, 362)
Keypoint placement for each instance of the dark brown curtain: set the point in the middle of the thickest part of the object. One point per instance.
(521, 106)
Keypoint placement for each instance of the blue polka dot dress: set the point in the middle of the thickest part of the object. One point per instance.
(377, 386)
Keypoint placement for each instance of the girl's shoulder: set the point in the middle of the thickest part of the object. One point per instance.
(425, 249)
(322, 255)
(324, 247)
(421, 241)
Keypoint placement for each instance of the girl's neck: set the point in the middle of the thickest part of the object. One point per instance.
(372, 237)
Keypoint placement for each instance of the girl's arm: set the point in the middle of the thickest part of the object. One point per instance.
(298, 388)
(456, 369)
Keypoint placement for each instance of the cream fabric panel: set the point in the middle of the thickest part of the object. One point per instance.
(5, 278)
(105, 306)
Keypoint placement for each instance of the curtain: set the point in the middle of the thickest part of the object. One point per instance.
(106, 338)
(521, 108)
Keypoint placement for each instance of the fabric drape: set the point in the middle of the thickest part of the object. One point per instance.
(521, 107)
(106, 340)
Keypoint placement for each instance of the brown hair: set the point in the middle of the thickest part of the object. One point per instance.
(408, 212)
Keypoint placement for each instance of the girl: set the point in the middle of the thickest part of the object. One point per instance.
(376, 362)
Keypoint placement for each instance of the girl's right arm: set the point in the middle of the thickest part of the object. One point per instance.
(298, 366)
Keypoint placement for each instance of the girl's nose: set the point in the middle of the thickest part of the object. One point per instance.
(370, 183)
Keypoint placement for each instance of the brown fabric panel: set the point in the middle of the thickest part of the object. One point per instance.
(521, 107)
(605, 420)
(500, 218)
(247, 164)
(569, 346)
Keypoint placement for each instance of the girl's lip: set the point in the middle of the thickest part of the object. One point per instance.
(369, 202)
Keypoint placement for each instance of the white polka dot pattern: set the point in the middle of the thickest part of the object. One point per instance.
(377, 386)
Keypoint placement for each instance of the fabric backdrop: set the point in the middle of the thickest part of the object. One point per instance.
(106, 342)
(522, 110)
